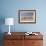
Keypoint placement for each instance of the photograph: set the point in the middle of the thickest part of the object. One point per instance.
(27, 16)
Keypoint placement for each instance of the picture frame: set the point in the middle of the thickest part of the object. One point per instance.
(27, 16)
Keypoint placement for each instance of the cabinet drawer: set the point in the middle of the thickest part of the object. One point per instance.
(9, 43)
(13, 43)
(37, 43)
(16, 37)
(33, 43)
(33, 37)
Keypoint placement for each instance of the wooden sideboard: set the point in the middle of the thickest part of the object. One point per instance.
(20, 39)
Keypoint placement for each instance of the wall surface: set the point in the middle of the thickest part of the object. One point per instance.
(9, 8)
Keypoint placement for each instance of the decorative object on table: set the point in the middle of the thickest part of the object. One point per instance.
(30, 33)
(9, 21)
(27, 16)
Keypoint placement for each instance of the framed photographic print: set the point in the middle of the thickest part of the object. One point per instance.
(27, 16)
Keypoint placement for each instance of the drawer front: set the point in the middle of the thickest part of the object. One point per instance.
(33, 43)
(34, 37)
(9, 43)
(16, 37)
(13, 43)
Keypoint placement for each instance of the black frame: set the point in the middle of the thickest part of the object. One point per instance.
(19, 12)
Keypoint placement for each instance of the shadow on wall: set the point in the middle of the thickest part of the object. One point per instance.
(2, 21)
